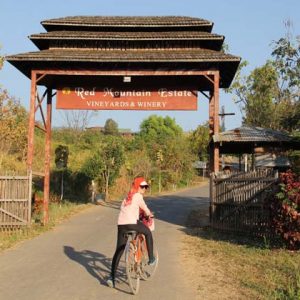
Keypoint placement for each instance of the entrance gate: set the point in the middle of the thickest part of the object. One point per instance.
(125, 53)
(15, 201)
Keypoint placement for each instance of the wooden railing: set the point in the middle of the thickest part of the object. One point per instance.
(238, 201)
(15, 201)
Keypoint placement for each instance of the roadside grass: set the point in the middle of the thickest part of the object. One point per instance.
(236, 267)
(57, 213)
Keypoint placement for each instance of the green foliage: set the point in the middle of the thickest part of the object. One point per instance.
(105, 164)
(138, 163)
(262, 87)
(93, 165)
(156, 132)
(168, 150)
(269, 96)
(199, 141)
(286, 52)
(111, 127)
(76, 185)
(61, 156)
(158, 129)
(13, 128)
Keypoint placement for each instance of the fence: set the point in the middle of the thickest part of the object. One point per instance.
(15, 201)
(237, 201)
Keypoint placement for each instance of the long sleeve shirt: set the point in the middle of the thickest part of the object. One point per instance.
(129, 214)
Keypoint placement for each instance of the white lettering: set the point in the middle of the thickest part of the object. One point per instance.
(174, 93)
(82, 93)
(153, 104)
(110, 92)
(79, 92)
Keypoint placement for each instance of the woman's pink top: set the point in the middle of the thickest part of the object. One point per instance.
(129, 214)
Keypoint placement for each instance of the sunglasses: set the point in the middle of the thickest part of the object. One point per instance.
(144, 186)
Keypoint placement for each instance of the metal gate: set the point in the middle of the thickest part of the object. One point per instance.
(15, 201)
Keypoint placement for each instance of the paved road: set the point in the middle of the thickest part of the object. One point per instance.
(73, 260)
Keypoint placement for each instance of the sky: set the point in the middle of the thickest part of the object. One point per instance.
(249, 27)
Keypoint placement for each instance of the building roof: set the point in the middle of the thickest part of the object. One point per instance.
(153, 22)
(128, 43)
(244, 139)
(143, 39)
(199, 55)
(252, 134)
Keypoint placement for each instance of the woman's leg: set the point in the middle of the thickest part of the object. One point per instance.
(121, 243)
(142, 228)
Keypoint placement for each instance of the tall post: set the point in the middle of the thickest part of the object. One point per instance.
(216, 120)
(211, 130)
(47, 157)
(30, 146)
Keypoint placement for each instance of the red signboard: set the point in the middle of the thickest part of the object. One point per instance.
(109, 98)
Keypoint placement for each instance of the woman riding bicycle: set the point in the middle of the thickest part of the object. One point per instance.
(129, 221)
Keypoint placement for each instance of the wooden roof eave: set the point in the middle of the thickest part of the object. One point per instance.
(226, 77)
(76, 54)
(43, 41)
(182, 35)
(133, 22)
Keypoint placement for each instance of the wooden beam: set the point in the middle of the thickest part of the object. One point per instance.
(47, 158)
(216, 121)
(128, 73)
(30, 146)
(40, 127)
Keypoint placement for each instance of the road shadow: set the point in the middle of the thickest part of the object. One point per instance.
(237, 238)
(98, 266)
(176, 209)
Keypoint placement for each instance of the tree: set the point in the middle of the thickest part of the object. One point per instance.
(168, 149)
(13, 127)
(157, 129)
(262, 93)
(78, 120)
(61, 161)
(111, 127)
(286, 53)
(269, 96)
(199, 140)
(104, 166)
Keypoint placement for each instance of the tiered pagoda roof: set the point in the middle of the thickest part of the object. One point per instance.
(128, 43)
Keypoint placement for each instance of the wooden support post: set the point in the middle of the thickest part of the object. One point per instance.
(211, 130)
(214, 123)
(216, 120)
(29, 175)
(30, 145)
(47, 157)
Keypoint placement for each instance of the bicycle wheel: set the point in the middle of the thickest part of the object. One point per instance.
(132, 268)
(147, 271)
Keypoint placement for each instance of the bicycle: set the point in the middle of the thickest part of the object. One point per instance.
(136, 260)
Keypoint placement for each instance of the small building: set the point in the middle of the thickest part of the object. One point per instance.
(257, 141)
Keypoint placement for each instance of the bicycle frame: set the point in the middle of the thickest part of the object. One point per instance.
(136, 259)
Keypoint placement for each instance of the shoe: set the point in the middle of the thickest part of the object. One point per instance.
(152, 261)
(110, 282)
